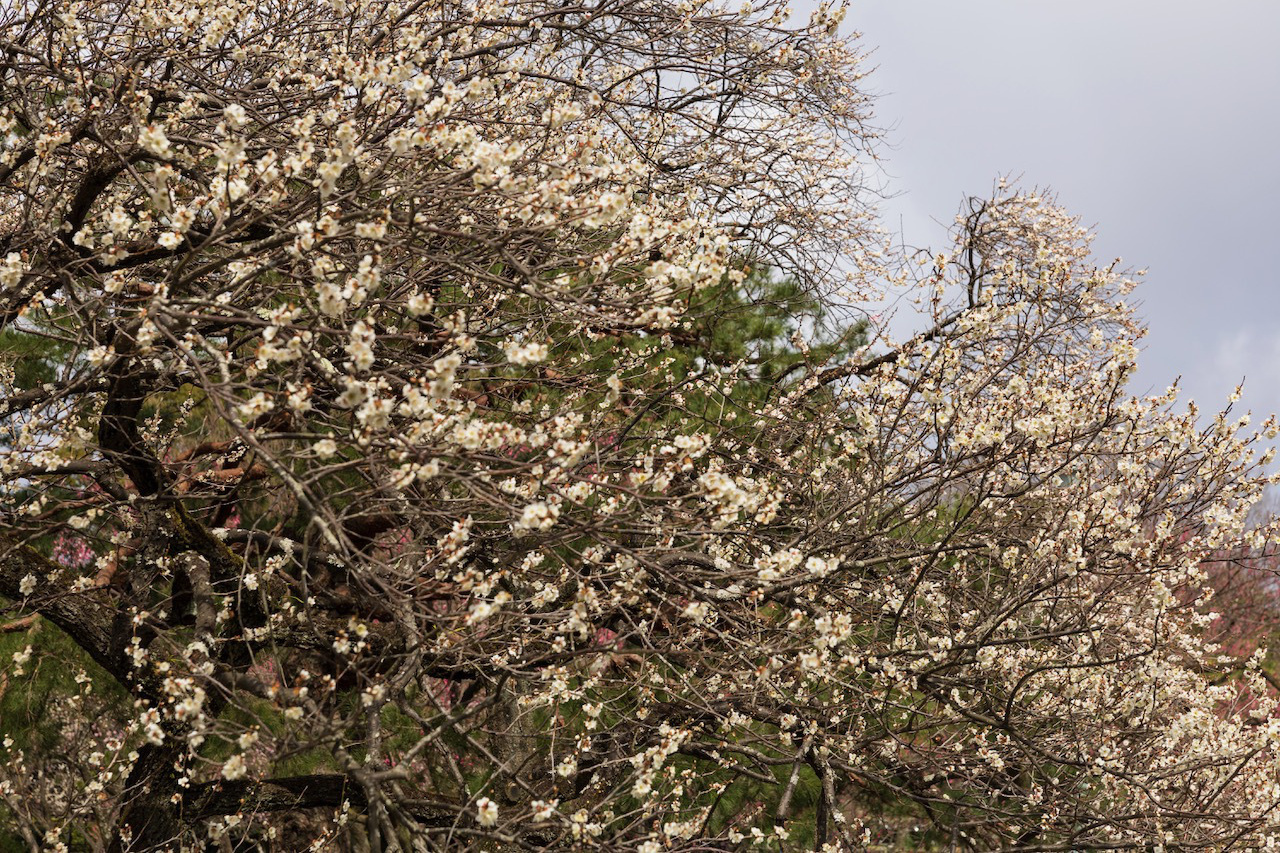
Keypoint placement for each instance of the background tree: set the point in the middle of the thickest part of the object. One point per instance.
(425, 465)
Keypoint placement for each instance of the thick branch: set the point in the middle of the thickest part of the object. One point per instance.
(118, 432)
(86, 616)
(322, 790)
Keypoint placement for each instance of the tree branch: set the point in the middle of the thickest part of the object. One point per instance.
(287, 793)
(86, 616)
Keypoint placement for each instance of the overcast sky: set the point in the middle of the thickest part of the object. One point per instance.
(1157, 122)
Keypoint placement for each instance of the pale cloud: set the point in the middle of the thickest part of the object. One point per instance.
(1243, 356)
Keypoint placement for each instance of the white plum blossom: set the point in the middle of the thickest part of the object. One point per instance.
(11, 270)
(235, 116)
(361, 345)
(525, 353)
(152, 138)
(539, 515)
(486, 812)
(234, 767)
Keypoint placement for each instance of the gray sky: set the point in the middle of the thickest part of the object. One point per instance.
(1157, 122)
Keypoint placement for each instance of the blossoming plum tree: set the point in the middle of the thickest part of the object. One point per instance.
(413, 503)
